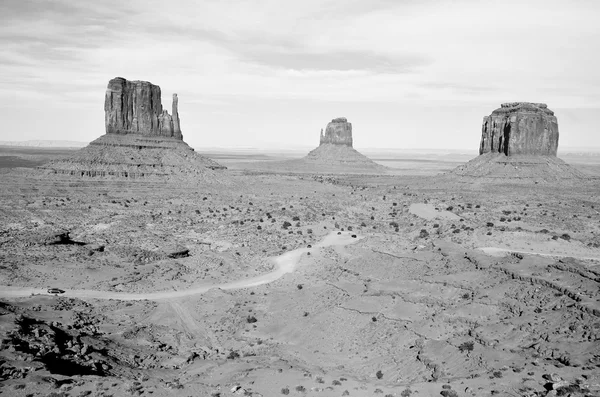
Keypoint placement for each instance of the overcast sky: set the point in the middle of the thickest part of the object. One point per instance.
(272, 73)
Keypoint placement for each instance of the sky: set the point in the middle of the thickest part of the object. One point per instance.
(272, 73)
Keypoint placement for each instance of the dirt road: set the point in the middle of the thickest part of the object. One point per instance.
(285, 263)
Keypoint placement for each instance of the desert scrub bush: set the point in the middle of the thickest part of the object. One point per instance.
(299, 286)
(296, 218)
(406, 393)
(466, 295)
(285, 225)
(233, 355)
(285, 391)
(251, 319)
(449, 393)
(466, 347)
(394, 224)
(423, 233)
(336, 382)
(300, 389)
(379, 374)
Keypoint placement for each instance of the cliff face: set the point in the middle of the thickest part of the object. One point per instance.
(520, 128)
(337, 132)
(134, 107)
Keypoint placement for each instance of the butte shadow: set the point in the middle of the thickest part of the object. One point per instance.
(519, 142)
(142, 140)
(334, 155)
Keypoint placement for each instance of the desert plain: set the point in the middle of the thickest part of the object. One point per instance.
(260, 282)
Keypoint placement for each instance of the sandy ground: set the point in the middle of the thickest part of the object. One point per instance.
(248, 289)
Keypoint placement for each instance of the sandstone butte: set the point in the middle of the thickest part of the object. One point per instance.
(520, 128)
(142, 139)
(519, 142)
(335, 150)
(134, 107)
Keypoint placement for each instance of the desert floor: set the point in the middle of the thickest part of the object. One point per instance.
(270, 284)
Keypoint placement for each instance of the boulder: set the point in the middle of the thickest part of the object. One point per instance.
(520, 128)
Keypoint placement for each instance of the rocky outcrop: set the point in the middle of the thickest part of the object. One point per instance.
(134, 107)
(520, 128)
(142, 140)
(337, 132)
(518, 144)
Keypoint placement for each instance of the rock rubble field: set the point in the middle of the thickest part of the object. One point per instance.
(415, 303)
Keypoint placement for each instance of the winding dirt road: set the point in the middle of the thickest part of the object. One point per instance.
(285, 263)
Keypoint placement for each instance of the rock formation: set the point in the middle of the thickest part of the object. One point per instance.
(334, 154)
(134, 107)
(520, 128)
(337, 132)
(519, 142)
(142, 139)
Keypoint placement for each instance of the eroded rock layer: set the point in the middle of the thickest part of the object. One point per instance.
(520, 128)
(518, 168)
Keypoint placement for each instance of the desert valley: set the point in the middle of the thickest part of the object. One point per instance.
(138, 266)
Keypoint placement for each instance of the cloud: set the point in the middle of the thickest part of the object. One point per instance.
(337, 60)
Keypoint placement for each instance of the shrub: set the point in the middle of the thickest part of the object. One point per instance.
(449, 393)
(406, 393)
(286, 224)
(424, 233)
(299, 286)
(466, 346)
(251, 319)
(296, 218)
(379, 374)
(394, 224)
(285, 391)
(300, 388)
(336, 383)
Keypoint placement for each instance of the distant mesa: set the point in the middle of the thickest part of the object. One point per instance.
(142, 139)
(337, 132)
(519, 141)
(336, 154)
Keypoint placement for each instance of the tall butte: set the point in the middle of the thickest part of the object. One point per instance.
(335, 152)
(519, 141)
(142, 139)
